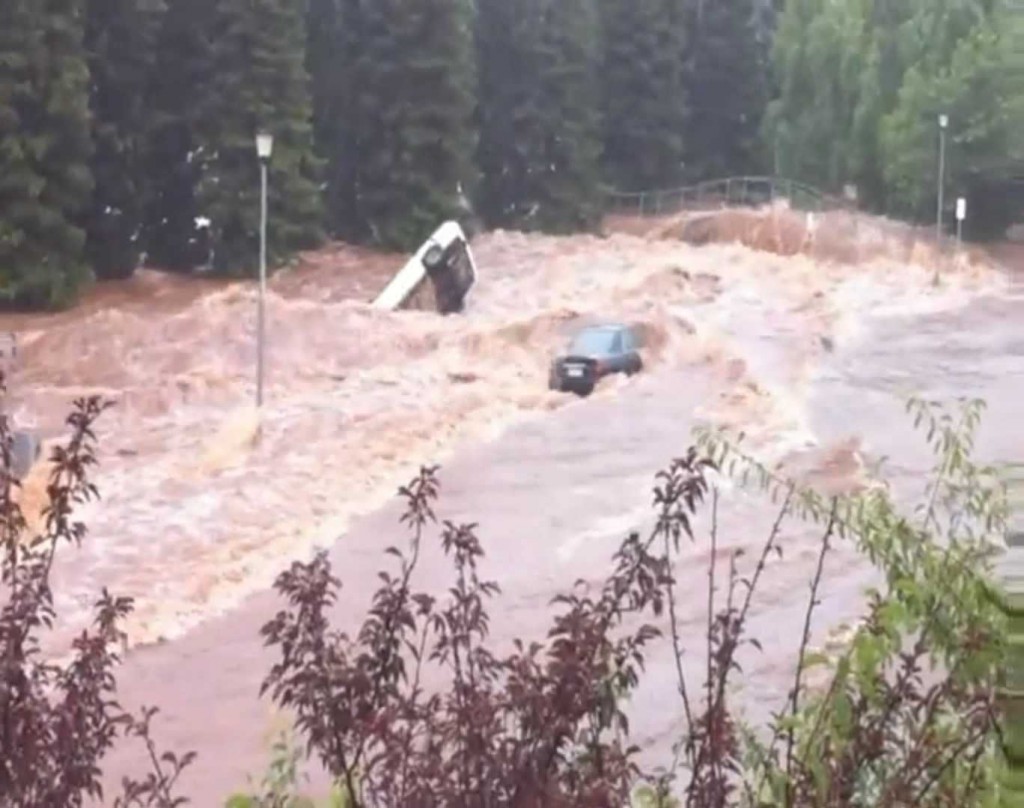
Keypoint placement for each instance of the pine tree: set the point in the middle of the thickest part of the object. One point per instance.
(45, 148)
(644, 104)
(726, 88)
(570, 183)
(413, 104)
(180, 99)
(19, 182)
(119, 40)
(507, 85)
(331, 46)
(259, 81)
(540, 117)
(323, 30)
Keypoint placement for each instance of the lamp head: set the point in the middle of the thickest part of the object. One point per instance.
(264, 145)
(943, 121)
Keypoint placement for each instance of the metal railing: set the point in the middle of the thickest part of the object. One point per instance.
(751, 191)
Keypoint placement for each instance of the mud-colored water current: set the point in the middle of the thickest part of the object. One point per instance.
(807, 345)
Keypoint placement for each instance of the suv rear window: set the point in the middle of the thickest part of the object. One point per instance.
(595, 341)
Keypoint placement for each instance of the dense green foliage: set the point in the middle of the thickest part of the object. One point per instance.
(119, 37)
(644, 97)
(45, 183)
(726, 86)
(862, 85)
(259, 83)
(412, 105)
(179, 99)
(540, 125)
(127, 126)
(331, 40)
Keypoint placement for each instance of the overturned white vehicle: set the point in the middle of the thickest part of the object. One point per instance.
(446, 261)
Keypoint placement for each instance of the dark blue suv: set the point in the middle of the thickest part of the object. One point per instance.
(595, 352)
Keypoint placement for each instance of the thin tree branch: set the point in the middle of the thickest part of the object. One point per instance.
(804, 642)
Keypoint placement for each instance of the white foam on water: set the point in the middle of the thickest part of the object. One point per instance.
(205, 503)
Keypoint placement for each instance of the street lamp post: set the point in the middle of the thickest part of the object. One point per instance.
(264, 148)
(943, 123)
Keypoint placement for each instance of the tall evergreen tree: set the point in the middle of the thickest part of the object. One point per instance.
(506, 86)
(412, 105)
(45, 183)
(259, 81)
(644, 97)
(18, 39)
(119, 39)
(323, 29)
(332, 42)
(726, 88)
(180, 99)
(567, 187)
(540, 117)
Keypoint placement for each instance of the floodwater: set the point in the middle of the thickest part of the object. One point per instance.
(807, 345)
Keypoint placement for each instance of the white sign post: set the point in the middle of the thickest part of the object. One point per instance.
(961, 214)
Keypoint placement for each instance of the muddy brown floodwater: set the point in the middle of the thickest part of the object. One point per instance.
(806, 336)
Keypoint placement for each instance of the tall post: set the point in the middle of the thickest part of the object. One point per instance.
(961, 214)
(264, 148)
(943, 122)
(261, 318)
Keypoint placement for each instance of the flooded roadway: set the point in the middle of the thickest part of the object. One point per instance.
(554, 498)
(976, 351)
(776, 338)
(555, 495)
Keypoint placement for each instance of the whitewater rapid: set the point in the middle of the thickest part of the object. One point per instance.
(205, 500)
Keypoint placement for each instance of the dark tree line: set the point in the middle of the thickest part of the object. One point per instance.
(126, 126)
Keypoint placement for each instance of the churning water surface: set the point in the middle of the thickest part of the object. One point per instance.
(204, 501)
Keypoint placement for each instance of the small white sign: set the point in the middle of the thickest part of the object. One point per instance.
(961, 209)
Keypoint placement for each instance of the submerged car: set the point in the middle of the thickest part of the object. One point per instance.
(596, 352)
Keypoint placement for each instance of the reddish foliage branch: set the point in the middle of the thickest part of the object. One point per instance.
(542, 725)
(58, 721)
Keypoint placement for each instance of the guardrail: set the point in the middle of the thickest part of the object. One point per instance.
(749, 191)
